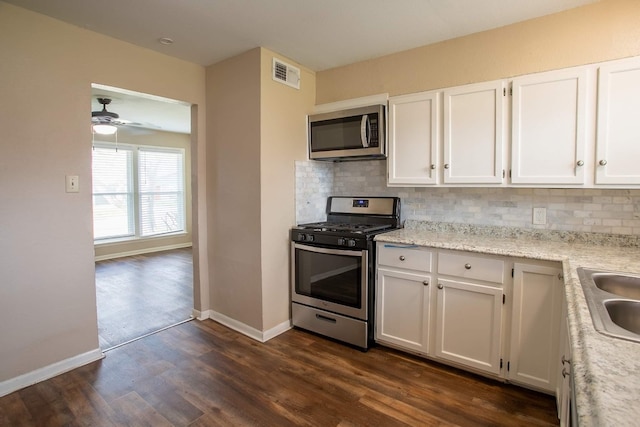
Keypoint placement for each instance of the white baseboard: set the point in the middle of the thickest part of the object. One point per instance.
(33, 377)
(244, 329)
(143, 251)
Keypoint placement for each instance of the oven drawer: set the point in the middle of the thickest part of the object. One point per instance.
(332, 325)
(471, 266)
(400, 256)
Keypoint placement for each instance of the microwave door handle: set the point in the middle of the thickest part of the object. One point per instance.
(365, 131)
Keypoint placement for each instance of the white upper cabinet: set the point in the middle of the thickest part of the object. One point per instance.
(618, 132)
(473, 133)
(549, 127)
(414, 137)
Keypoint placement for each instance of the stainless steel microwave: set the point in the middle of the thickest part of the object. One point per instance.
(353, 134)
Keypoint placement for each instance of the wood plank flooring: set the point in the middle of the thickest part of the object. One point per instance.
(204, 374)
(141, 294)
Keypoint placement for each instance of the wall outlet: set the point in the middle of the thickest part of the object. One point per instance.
(540, 216)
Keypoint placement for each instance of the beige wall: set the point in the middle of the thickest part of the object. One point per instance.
(602, 31)
(283, 140)
(157, 139)
(47, 284)
(256, 130)
(233, 179)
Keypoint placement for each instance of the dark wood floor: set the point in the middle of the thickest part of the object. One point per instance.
(203, 374)
(141, 294)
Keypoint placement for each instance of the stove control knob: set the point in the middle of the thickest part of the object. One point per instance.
(310, 238)
(351, 243)
(302, 237)
(342, 241)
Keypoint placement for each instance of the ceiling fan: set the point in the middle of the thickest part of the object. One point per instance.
(104, 122)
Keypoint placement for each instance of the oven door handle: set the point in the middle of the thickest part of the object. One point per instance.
(330, 251)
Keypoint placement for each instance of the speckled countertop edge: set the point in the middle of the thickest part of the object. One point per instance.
(606, 370)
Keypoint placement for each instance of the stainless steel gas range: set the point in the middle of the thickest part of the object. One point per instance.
(333, 268)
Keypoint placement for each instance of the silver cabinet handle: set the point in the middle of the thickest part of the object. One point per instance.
(433, 166)
(580, 163)
(426, 283)
(402, 258)
(563, 360)
(446, 165)
(440, 287)
(564, 372)
(560, 277)
(467, 266)
(602, 162)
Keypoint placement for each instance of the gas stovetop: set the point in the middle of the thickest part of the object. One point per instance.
(358, 228)
(351, 222)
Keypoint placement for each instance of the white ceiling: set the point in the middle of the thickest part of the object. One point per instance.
(319, 34)
(145, 111)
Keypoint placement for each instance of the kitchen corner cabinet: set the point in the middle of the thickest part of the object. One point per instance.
(403, 298)
(414, 138)
(618, 134)
(535, 325)
(473, 133)
(469, 310)
(548, 136)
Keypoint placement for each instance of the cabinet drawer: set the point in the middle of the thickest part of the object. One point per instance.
(471, 267)
(410, 257)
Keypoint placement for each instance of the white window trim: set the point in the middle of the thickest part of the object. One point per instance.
(136, 193)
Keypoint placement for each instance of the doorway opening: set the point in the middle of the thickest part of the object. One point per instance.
(141, 213)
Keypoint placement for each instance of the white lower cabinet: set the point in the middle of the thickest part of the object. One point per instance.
(469, 325)
(494, 315)
(535, 326)
(402, 313)
(403, 297)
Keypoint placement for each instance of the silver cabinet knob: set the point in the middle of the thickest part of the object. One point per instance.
(446, 165)
(467, 266)
(580, 163)
(440, 286)
(402, 258)
(564, 372)
(602, 162)
(563, 360)
(426, 283)
(433, 166)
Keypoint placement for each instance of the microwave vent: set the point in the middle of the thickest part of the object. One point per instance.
(285, 73)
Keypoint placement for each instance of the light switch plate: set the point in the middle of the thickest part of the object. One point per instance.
(72, 184)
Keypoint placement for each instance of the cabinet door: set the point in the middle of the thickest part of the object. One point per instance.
(469, 324)
(564, 389)
(402, 309)
(535, 325)
(473, 133)
(414, 139)
(618, 135)
(549, 127)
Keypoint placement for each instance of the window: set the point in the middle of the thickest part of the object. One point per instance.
(138, 191)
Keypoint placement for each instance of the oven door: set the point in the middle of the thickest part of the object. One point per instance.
(335, 280)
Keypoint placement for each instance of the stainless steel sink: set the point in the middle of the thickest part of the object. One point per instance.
(625, 314)
(614, 302)
(618, 284)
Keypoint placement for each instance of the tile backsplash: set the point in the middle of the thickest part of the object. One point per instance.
(581, 210)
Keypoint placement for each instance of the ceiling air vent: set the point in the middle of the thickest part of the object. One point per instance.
(285, 73)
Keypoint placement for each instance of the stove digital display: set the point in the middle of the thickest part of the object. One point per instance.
(360, 203)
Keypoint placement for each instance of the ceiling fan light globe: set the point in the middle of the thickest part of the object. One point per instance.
(105, 129)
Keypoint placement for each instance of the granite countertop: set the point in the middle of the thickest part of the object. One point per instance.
(606, 370)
